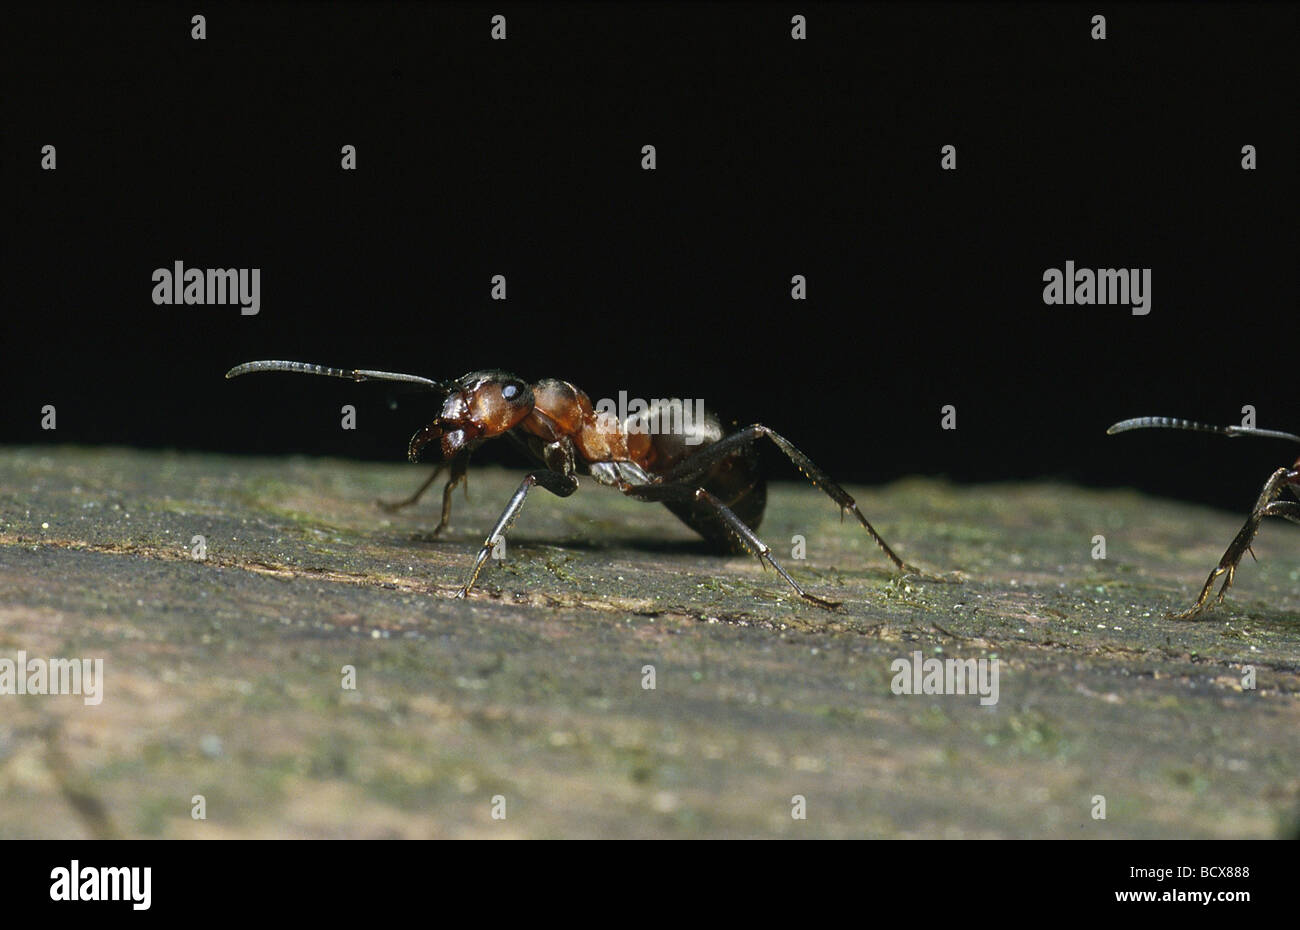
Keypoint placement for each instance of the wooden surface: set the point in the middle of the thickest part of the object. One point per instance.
(223, 676)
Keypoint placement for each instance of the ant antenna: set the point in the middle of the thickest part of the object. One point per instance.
(1172, 423)
(351, 374)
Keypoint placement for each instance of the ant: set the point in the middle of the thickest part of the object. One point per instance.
(1267, 506)
(708, 478)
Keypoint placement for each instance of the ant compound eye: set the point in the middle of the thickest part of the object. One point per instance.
(510, 391)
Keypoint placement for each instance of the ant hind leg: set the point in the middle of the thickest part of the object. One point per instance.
(756, 546)
(701, 461)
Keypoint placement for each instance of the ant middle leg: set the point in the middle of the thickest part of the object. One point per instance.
(683, 492)
(1266, 506)
(558, 483)
(699, 462)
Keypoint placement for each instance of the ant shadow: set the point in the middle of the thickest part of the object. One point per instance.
(649, 544)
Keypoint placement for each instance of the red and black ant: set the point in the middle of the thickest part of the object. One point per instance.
(1267, 506)
(708, 478)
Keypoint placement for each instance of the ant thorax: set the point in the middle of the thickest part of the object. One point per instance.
(561, 410)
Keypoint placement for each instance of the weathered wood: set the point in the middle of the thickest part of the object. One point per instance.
(223, 676)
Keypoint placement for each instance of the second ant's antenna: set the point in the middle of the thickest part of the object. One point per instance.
(1173, 423)
(350, 374)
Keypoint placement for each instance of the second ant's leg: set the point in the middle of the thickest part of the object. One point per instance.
(1266, 506)
(661, 492)
(557, 483)
(701, 461)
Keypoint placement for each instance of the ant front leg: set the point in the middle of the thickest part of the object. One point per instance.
(1266, 506)
(457, 477)
(701, 461)
(557, 483)
(756, 546)
(394, 506)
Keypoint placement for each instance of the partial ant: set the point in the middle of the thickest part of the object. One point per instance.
(710, 479)
(1267, 506)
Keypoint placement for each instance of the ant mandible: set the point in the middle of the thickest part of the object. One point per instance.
(1266, 506)
(708, 478)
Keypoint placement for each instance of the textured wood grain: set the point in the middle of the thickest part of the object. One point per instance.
(223, 676)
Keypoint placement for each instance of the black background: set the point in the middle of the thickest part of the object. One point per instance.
(188, 875)
(775, 158)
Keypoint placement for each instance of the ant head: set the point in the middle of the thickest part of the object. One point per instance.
(479, 406)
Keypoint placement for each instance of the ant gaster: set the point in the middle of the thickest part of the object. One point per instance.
(1268, 504)
(708, 478)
